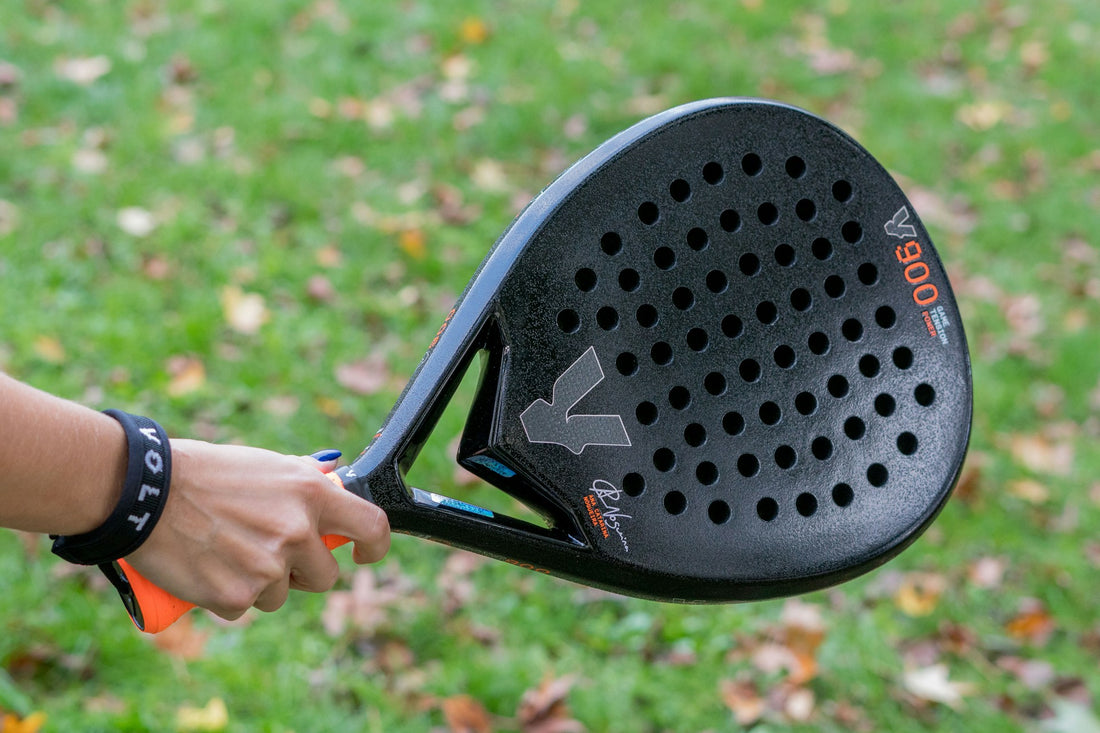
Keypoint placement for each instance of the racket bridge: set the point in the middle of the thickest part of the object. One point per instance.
(480, 452)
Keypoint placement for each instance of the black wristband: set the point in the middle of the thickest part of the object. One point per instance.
(144, 493)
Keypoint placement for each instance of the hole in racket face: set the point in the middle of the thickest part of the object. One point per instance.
(761, 371)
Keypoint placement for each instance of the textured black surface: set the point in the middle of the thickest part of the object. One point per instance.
(793, 420)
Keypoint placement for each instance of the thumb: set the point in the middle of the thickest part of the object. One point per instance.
(324, 460)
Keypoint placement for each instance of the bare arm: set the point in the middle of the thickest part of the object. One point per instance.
(61, 464)
(241, 525)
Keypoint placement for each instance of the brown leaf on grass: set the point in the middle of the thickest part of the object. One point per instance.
(454, 579)
(12, 723)
(366, 376)
(1029, 490)
(544, 709)
(465, 714)
(451, 207)
(1042, 454)
(919, 593)
(742, 697)
(1032, 623)
(38, 661)
(364, 608)
(157, 267)
(1034, 674)
(9, 217)
(802, 632)
(319, 288)
(182, 639)
(9, 75)
(987, 572)
(181, 71)
(187, 374)
(473, 31)
(969, 487)
(49, 349)
(9, 111)
(413, 242)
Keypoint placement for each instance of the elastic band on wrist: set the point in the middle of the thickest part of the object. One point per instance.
(144, 493)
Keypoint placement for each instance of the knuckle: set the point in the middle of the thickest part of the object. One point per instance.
(233, 602)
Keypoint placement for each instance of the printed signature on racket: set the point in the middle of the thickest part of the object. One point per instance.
(604, 512)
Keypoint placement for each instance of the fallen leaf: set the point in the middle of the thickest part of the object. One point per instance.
(214, 716)
(799, 705)
(49, 349)
(465, 714)
(1071, 717)
(987, 572)
(9, 75)
(329, 256)
(366, 376)
(9, 111)
(1029, 490)
(933, 684)
(136, 221)
(920, 593)
(157, 268)
(473, 31)
(319, 288)
(187, 374)
(982, 116)
(83, 71)
(544, 709)
(364, 608)
(412, 243)
(454, 579)
(743, 698)
(9, 217)
(245, 312)
(90, 161)
(182, 639)
(181, 71)
(1042, 455)
(1034, 674)
(803, 630)
(1032, 623)
(12, 723)
(488, 175)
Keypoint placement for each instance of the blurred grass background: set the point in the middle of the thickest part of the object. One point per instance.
(248, 219)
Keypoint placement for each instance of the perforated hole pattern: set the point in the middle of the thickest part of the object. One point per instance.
(794, 388)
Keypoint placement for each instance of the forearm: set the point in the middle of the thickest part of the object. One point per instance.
(61, 465)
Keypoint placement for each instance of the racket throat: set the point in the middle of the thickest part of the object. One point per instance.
(483, 452)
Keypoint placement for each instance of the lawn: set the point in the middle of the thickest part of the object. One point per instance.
(247, 219)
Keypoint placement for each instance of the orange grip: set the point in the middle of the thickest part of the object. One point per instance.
(155, 609)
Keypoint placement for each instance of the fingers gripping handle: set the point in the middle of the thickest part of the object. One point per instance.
(154, 609)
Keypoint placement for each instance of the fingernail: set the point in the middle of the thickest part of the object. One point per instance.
(326, 455)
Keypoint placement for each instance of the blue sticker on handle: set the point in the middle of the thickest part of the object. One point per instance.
(429, 497)
(493, 465)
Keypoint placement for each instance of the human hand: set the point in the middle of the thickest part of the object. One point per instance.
(242, 526)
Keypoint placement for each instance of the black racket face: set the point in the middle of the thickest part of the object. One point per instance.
(723, 358)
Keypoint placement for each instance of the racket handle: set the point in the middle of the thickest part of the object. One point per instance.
(153, 609)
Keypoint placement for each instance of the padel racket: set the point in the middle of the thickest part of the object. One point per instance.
(719, 355)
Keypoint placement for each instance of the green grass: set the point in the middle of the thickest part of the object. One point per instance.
(988, 111)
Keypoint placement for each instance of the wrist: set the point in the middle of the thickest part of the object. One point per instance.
(141, 499)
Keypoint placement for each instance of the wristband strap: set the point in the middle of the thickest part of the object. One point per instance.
(144, 493)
